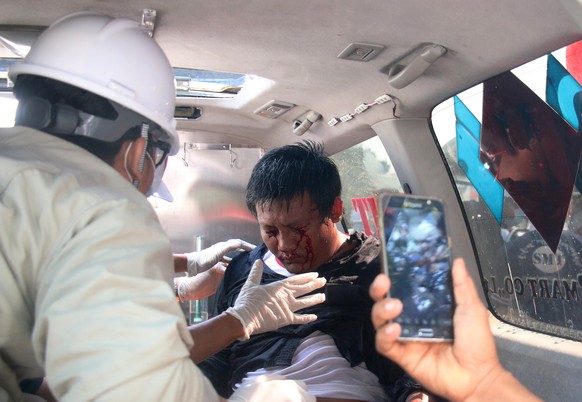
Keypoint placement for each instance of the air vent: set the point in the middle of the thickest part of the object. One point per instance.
(360, 51)
(274, 109)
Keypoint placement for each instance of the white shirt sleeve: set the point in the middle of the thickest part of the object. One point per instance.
(108, 325)
(85, 268)
(88, 295)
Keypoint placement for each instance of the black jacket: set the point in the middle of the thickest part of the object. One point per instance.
(345, 316)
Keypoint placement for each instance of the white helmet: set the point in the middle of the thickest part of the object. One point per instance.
(113, 58)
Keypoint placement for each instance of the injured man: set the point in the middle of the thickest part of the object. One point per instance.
(294, 192)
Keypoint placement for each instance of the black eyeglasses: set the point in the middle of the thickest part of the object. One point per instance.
(161, 150)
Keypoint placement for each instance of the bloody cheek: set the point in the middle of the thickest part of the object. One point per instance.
(308, 247)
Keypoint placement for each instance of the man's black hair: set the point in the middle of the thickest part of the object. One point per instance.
(293, 170)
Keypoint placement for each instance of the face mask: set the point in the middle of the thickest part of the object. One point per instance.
(158, 173)
(158, 188)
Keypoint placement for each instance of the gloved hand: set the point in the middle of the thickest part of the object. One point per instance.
(263, 308)
(200, 261)
(200, 286)
(272, 388)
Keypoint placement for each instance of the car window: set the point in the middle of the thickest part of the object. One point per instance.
(365, 170)
(7, 109)
(513, 147)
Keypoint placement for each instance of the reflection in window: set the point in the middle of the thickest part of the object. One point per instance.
(513, 146)
(531, 150)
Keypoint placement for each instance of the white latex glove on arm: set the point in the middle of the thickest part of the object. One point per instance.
(272, 388)
(200, 286)
(259, 308)
(200, 261)
(263, 308)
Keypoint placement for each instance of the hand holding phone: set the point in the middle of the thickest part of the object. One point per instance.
(416, 257)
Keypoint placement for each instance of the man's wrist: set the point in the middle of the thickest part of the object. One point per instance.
(236, 325)
(500, 384)
(180, 263)
(176, 283)
(192, 262)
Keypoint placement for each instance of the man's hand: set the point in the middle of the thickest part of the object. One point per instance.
(200, 261)
(200, 286)
(465, 369)
(262, 308)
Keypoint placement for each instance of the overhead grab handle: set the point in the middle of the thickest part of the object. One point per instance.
(301, 126)
(401, 75)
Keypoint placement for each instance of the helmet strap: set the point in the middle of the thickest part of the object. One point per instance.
(135, 182)
(144, 134)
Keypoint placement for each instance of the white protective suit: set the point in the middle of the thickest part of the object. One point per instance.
(85, 269)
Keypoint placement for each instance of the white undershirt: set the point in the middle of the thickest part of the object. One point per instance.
(318, 362)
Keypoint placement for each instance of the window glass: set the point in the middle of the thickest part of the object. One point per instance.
(5, 83)
(7, 109)
(189, 82)
(513, 146)
(208, 84)
(365, 170)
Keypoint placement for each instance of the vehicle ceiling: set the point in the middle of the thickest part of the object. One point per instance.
(296, 43)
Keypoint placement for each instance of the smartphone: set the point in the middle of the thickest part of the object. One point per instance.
(416, 255)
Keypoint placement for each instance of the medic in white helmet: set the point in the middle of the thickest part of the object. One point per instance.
(85, 266)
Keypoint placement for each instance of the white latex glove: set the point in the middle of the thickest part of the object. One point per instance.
(200, 286)
(263, 308)
(271, 388)
(200, 261)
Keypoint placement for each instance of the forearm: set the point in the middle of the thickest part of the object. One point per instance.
(214, 335)
(180, 263)
(502, 386)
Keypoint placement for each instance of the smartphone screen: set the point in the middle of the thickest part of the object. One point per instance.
(416, 257)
